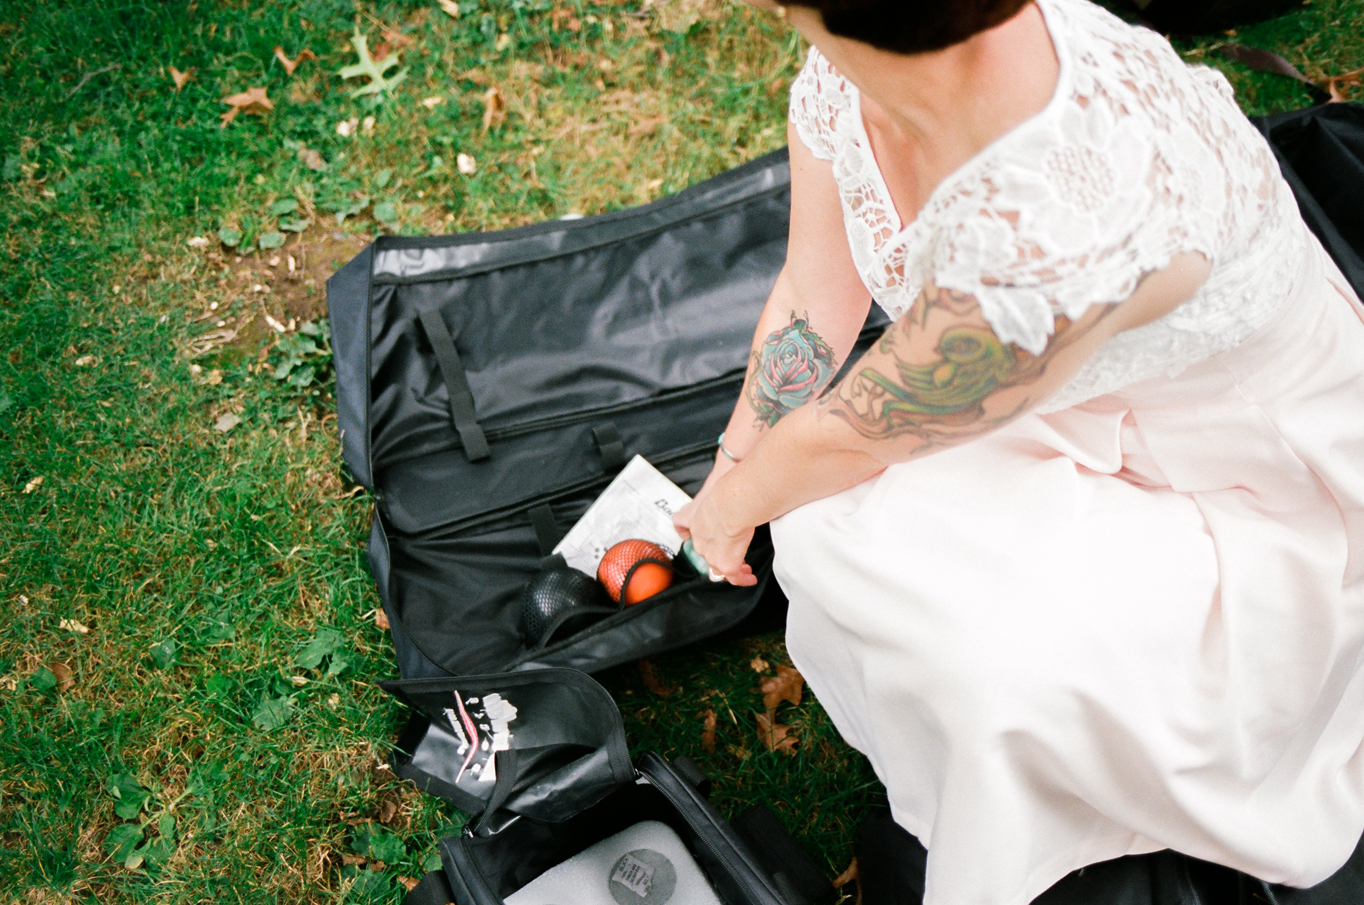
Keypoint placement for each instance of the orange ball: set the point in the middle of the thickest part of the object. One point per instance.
(651, 573)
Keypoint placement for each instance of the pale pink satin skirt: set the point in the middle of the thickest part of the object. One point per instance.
(1131, 625)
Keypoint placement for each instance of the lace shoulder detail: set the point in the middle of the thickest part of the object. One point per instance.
(1136, 159)
(819, 95)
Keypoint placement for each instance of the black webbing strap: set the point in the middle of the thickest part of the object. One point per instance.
(609, 442)
(505, 762)
(433, 889)
(456, 385)
(547, 532)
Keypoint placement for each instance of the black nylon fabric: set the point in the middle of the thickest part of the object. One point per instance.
(484, 870)
(348, 311)
(1321, 153)
(632, 326)
(564, 728)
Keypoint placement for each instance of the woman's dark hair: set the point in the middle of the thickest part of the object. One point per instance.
(911, 26)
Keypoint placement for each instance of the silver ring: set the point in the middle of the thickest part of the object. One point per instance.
(714, 575)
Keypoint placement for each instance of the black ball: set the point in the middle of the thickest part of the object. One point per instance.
(549, 595)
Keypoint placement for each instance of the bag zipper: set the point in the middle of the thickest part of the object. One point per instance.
(551, 422)
(678, 457)
(683, 802)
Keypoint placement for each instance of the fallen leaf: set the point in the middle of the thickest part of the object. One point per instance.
(466, 164)
(678, 16)
(65, 677)
(388, 809)
(649, 673)
(708, 732)
(758, 664)
(197, 241)
(645, 126)
(290, 65)
(494, 108)
(381, 618)
(311, 159)
(227, 422)
(774, 736)
(450, 7)
(393, 40)
(1336, 85)
(408, 883)
(371, 69)
(852, 875)
(350, 860)
(564, 18)
(346, 128)
(33, 484)
(252, 100)
(72, 625)
(786, 685)
(179, 78)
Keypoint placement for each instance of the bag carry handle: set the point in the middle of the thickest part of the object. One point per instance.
(456, 385)
(610, 445)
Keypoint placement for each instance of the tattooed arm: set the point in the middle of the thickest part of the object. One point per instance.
(812, 318)
(939, 376)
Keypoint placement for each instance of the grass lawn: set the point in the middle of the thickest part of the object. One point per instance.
(189, 648)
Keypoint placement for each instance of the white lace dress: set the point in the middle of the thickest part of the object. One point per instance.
(1133, 619)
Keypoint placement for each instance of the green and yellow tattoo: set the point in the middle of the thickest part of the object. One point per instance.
(940, 398)
(793, 364)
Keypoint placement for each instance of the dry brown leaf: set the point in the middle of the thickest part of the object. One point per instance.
(252, 100)
(179, 78)
(290, 65)
(786, 685)
(564, 18)
(381, 619)
(708, 732)
(494, 108)
(774, 736)
(852, 875)
(388, 809)
(311, 159)
(1337, 84)
(645, 125)
(408, 883)
(65, 677)
(350, 860)
(678, 15)
(649, 674)
(758, 664)
(393, 40)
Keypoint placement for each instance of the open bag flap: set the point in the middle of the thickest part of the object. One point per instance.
(542, 743)
(495, 355)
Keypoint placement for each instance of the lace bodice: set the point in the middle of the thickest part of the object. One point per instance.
(1136, 158)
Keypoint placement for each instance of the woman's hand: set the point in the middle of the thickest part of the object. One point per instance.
(702, 520)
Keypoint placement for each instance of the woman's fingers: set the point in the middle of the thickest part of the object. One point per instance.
(682, 520)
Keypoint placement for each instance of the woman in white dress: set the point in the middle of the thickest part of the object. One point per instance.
(1075, 552)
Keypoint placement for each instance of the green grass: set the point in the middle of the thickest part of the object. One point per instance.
(224, 681)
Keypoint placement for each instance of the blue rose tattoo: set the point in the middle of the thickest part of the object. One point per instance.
(792, 365)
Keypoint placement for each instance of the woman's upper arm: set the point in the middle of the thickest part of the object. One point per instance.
(940, 375)
(819, 264)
